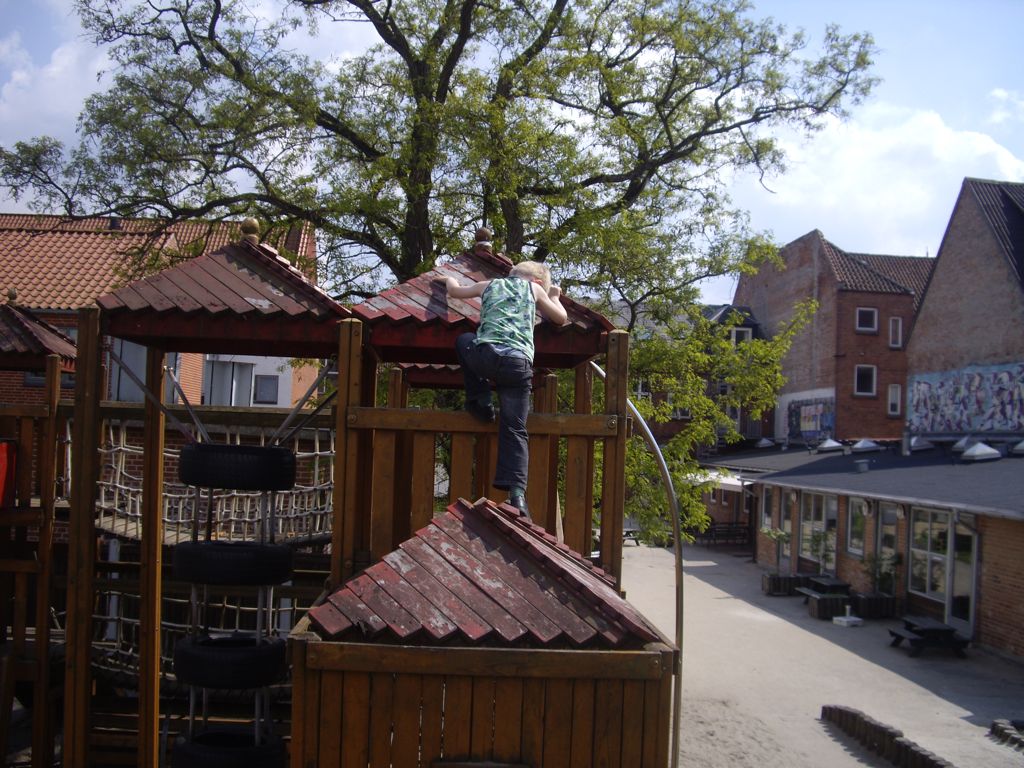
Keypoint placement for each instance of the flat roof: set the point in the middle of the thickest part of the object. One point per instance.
(936, 477)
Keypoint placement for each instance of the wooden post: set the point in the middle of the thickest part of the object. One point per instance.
(579, 473)
(539, 491)
(613, 493)
(42, 732)
(345, 498)
(150, 581)
(81, 550)
(398, 397)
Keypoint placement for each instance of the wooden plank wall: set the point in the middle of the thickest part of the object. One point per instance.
(501, 705)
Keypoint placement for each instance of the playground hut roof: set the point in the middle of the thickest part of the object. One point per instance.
(243, 298)
(26, 341)
(482, 575)
(416, 321)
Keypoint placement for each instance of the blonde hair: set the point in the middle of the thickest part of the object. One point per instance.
(533, 270)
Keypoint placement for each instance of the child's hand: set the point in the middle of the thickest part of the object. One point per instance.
(554, 292)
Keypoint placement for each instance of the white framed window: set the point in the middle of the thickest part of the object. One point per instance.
(867, 320)
(864, 377)
(856, 524)
(766, 508)
(895, 332)
(740, 334)
(895, 399)
(264, 390)
(929, 551)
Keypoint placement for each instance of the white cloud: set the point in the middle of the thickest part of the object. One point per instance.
(1008, 107)
(884, 182)
(47, 99)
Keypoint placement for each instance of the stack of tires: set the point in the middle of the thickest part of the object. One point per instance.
(208, 659)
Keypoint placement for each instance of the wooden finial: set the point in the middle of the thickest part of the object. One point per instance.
(250, 230)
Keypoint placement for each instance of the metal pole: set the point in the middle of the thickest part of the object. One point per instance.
(673, 502)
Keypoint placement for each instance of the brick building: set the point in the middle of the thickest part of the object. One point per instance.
(846, 371)
(943, 510)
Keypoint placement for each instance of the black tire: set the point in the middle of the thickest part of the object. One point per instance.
(232, 662)
(228, 747)
(237, 467)
(234, 563)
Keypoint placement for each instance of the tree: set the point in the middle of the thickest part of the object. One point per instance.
(603, 132)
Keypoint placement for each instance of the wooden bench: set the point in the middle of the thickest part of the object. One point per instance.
(823, 605)
(916, 642)
(807, 592)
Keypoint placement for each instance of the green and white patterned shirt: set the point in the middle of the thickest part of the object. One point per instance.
(507, 314)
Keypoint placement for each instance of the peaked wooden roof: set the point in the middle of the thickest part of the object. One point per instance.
(61, 263)
(26, 341)
(482, 575)
(416, 321)
(243, 298)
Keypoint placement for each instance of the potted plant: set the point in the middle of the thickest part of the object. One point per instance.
(880, 602)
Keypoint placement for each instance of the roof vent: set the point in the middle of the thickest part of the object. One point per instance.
(980, 452)
(964, 443)
(764, 442)
(829, 445)
(863, 446)
(920, 444)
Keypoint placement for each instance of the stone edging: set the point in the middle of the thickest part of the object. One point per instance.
(882, 739)
(1007, 732)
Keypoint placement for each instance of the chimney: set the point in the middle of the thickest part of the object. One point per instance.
(114, 223)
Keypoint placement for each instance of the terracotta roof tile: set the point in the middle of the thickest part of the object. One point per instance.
(416, 321)
(480, 574)
(872, 273)
(63, 264)
(26, 341)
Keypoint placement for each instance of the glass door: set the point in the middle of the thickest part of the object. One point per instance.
(960, 606)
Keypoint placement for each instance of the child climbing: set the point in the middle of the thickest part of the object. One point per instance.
(502, 351)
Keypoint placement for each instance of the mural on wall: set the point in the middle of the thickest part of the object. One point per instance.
(811, 420)
(978, 398)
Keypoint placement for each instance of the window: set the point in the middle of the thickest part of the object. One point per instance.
(766, 508)
(856, 524)
(788, 513)
(895, 399)
(264, 389)
(888, 517)
(929, 547)
(818, 513)
(864, 380)
(895, 332)
(740, 334)
(867, 319)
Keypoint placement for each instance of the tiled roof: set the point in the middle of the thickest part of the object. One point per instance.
(416, 321)
(60, 263)
(1002, 203)
(912, 272)
(481, 575)
(870, 273)
(26, 341)
(243, 298)
(61, 270)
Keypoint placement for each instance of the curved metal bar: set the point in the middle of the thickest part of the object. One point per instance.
(673, 502)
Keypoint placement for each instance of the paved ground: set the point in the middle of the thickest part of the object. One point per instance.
(757, 670)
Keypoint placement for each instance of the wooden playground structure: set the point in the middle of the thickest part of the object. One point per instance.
(383, 474)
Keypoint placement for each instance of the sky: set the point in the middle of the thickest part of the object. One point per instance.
(950, 105)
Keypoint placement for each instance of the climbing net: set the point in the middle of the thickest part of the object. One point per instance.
(304, 512)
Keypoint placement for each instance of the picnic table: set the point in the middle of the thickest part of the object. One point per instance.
(829, 585)
(826, 597)
(922, 632)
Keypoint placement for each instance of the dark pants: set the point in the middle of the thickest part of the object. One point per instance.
(512, 376)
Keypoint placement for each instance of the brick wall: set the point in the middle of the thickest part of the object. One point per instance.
(771, 294)
(864, 416)
(1000, 610)
(974, 307)
(190, 376)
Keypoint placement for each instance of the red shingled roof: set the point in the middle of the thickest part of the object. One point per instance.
(416, 321)
(874, 273)
(481, 575)
(26, 341)
(243, 298)
(59, 263)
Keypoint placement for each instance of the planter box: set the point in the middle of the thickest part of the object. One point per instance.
(782, 584)
(877, 606)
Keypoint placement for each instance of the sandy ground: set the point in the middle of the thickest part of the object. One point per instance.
(758, 669)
